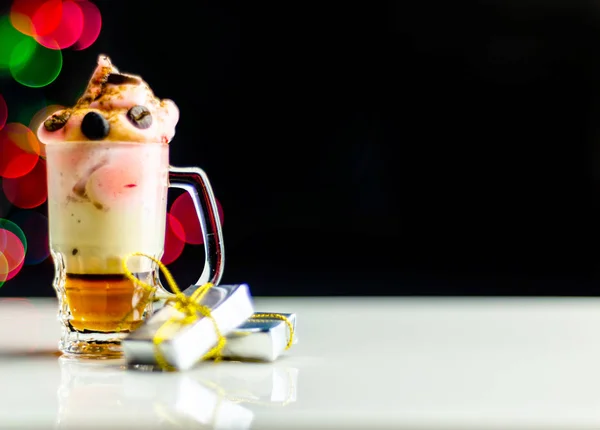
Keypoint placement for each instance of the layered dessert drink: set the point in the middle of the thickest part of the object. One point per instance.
(108, 162)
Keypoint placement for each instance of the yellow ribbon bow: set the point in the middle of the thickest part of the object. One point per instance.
(189, 307)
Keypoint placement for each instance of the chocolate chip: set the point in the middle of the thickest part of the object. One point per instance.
(118, 79)
(75, 251)
(94, 126)
(57, 121)
(140, 116)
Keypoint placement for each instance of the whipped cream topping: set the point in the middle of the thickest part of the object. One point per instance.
(114, 107)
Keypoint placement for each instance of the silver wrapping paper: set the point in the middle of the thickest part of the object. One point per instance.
(230, 306)
(260, 339)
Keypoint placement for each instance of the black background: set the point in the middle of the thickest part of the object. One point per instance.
(369, 148)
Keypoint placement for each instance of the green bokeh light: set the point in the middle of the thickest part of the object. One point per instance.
(14, 229)
(41, 69)
(16, 48)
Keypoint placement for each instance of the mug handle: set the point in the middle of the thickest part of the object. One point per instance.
(195, 182)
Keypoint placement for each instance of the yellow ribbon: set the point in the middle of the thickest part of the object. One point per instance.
(190, 307)
(269, 316)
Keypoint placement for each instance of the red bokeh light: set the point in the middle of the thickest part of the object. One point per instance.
(173, 244)
(23, 137)
(58, 24)
(19, 150)
(184, 210)
(13, 251)
(46, 18)
(14, 272)
(3, 269)
(92, 24)
(54, 24)
(22, 12)
(3, 112)
(69, 29)
(28, 191)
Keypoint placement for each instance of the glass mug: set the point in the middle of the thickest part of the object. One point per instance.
(106, 201)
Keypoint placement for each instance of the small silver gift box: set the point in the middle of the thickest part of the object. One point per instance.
(260, 338)
(185, 345)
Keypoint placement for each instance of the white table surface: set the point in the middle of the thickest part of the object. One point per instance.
(402, 363)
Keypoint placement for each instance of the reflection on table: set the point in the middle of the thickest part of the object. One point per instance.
(215, 395)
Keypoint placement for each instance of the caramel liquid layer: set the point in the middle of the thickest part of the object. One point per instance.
(106, 303)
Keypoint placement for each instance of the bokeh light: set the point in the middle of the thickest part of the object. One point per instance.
(92, 24)
(41, 69)
(184, 210)
(16, 49)
(19, 150)
(14, 252)
(69, 28)
(3, 112)
(3, 269)
(35, 227)
(8, 225)
(47, 17)
(22, 12)
(32, 37)
(22, 137)
(13, 246)
(173, 244)
(28, 191)
(40, 116)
